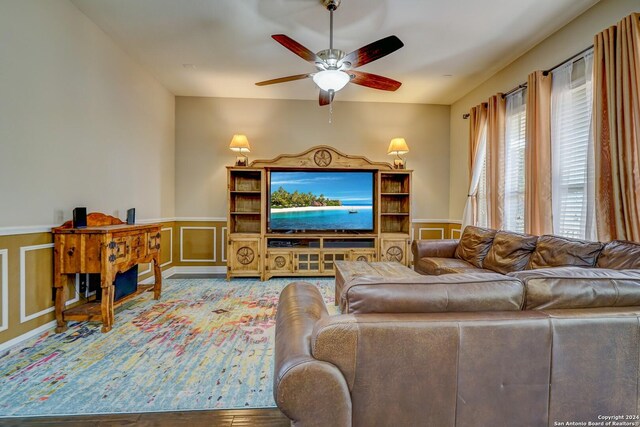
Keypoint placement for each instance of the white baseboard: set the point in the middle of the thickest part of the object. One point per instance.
(218, 269)
(165, 273)
(37, 331)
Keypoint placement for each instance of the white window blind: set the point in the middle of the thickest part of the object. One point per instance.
(481, 196)
(572, 148)
(515, 127)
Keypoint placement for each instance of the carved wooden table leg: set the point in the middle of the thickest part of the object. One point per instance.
(61, 298)
(157, 273)
(112, 295)
(106, 306)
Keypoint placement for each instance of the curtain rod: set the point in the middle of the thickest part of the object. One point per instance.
(545, 73)
(467, 115)
(515, 89)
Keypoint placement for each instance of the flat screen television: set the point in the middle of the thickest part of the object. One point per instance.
(340, 201)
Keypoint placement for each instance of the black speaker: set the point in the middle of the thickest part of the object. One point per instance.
(131, 216)
(80, 217)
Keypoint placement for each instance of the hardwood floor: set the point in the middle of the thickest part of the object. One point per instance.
(219, 418)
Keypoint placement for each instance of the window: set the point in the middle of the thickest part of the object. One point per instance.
(481, 195)
(515, 125)
(572, 147)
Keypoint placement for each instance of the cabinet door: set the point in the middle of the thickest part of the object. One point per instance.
(362, 255)
(244, 255)
(394, 250)
(329, 259)
(307, 262)
(280, 262)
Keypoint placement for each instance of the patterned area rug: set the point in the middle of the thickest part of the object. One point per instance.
(207, 344)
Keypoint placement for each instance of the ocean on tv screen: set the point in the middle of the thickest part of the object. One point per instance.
(321, 200)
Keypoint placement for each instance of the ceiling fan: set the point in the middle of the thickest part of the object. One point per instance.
(335, 68)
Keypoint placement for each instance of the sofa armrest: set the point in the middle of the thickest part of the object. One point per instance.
(434, 248)
(300, 378)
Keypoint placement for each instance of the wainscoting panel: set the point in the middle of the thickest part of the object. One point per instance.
(428, 230)
(200, 243)
(36, 281)
(4, 290)
(431, 233)
(456, 232)
(26, 276)
(166, 254)
(223, 244)
(145, 269)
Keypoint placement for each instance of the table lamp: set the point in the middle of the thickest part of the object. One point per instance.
(397, 147)
(240, 144)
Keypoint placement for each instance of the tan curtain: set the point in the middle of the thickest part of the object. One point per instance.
(616, 107)
(477, 122)
(477, 125)
(496, 113)
(537, 192)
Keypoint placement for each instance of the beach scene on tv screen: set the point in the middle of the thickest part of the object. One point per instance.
(321, 201)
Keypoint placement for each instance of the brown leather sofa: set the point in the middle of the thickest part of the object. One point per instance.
(484, 250)
(553, 341)
(534, 367)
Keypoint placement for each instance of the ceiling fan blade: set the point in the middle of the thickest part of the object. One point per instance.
(373, 80)
(373, 51)
(297, 48)
(284, 79)
(325, 98)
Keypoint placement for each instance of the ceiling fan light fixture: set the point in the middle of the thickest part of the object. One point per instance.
(331, 80)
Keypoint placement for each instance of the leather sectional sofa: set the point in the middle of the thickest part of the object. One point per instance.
(554, 340)
(485, 250)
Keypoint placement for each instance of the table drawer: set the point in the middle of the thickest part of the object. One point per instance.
(153, 242)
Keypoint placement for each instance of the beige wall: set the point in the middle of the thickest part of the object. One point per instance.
(204, 127)
(81, 124)
(571, 39)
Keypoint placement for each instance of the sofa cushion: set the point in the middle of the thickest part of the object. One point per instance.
(437, 266)
(555, 251)
(432, 294)
(620, 254)
(577, 287)
(474, 244)
(509, 252)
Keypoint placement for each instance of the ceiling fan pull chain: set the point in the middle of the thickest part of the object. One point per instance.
(331, 91)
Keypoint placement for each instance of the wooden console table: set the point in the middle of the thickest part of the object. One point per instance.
(107, 246)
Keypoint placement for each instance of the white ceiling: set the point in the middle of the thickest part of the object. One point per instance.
(220, 48)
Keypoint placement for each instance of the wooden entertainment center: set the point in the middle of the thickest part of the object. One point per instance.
(253, 251)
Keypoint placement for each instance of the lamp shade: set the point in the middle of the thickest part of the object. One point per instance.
(331, 80)
(398, 146)
(240, 143)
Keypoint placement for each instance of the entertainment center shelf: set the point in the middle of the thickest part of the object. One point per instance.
(245, 200)
(256, 248)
